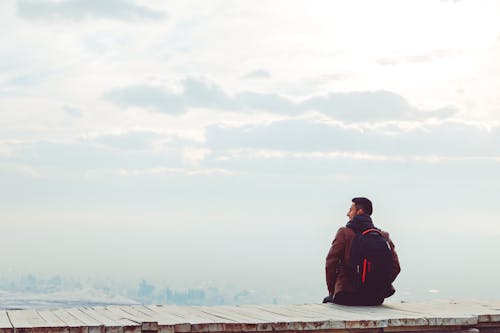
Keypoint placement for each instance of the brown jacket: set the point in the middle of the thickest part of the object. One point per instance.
(338, 257)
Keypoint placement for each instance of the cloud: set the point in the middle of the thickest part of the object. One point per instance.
(130, 141)
(176, 171)
(348, 107)
(87, 155)
(149, 97)
(435, 154)
(135, 149)
(299, 147)
(195, 94)
(362, 106)
(201, 94)
(266, 102)
(84, 9)
(419, 58)
(72, 111)
(433, 142)
(263, 154)
(258, 74)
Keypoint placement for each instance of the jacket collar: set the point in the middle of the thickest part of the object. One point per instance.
(360, 223)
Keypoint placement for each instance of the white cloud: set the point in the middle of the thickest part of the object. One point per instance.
(83, 9)
(174, 171)
(248, 154)
(195, 155)
(263, 154)
(419, 58)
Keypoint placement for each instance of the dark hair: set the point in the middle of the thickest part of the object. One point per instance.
(364, 204)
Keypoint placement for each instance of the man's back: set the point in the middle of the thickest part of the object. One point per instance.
(339, 281)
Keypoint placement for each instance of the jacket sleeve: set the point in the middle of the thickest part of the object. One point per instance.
(334, 259)
(395, 260)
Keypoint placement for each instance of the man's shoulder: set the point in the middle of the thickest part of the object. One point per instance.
(345, 231)
(385, 234)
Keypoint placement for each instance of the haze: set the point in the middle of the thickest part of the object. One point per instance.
(220, 142)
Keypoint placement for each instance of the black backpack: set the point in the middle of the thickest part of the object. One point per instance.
(370, 262)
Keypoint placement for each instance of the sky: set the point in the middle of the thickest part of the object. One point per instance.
(221, 142)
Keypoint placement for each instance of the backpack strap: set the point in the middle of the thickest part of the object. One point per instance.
(371, 230)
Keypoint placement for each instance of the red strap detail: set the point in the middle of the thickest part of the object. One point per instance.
(364, 271)
(370, 230)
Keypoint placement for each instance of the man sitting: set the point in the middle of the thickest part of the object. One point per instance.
(365, 283)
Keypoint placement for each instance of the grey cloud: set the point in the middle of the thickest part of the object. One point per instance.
(150, 97)
(195, 94)
(83, 9)
(424, 157)
(201, 94)
(133, 151)
(258, 74)
(268, 102)
(291, 135)
(443, 113)
(347, 107)
(362, 106)
(367, 106)
(446, 139)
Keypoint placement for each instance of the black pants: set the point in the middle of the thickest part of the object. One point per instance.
(352, 298)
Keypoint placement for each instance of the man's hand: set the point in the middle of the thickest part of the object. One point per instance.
(328, 299)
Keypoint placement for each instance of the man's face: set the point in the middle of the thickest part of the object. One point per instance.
(353, 211)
